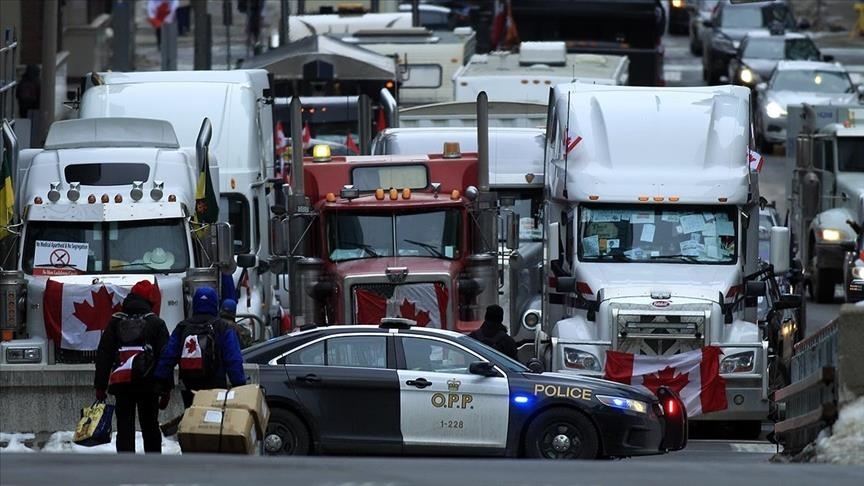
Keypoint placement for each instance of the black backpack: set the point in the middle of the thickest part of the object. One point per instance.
(132, 333)
(200, 354)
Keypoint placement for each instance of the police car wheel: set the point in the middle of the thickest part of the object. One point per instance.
(286, 435)
(561, 434)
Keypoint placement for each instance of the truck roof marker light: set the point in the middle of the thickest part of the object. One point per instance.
(389, 84)
(659, 198)
(451, 150)
(722, 199)
(330, 197)
(172, 198)
(74, 191)
(156, 193)
(105, 199)
(406, 193)
(137, 191)
(321, 153)
(643, 198)
(584, 288)
(118, 198)
(454, 194)
(593, 197)
(674, 198)
(54, 192)
(394, 194)
(37, 200)
(436, 189)
(91, 199)
(379, 194)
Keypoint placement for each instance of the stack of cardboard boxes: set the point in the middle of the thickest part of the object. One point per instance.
(229, 421)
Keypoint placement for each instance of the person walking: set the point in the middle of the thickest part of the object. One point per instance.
(205, 349)
(229, 314)
(125, 360)
(493, 333)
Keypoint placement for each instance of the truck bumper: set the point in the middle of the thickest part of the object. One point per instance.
(745, 400)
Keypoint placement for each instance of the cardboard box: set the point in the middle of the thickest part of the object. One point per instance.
(247, 397)
(208, 429)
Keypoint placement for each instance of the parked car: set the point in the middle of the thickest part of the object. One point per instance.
(796, 82)
(399, 389)
(759, 53)
(853, 269)
(729, 24)
(700, 11)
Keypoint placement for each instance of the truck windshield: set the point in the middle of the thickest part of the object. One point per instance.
(657, 234)
(74, 248)
(850, 154)
(434, 234)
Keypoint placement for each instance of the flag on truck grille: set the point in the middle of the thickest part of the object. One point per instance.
(7, 195)
(694, 375)
(425, 303)
(206, 205)
(76, 314)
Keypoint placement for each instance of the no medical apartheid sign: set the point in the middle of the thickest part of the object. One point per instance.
(60, 257)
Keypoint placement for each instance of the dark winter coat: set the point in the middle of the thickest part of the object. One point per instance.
(155, 334)
(494, 334)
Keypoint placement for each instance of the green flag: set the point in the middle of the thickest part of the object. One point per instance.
(7, 195)
(206, 204)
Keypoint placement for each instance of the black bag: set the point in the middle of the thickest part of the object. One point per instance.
(132, 345)
(199, 357)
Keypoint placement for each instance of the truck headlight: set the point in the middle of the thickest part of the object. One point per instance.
(774, 110)
(746, 75)
(858, 272)
(623, 403)
(738, 363)
(23, 355)
(829, 234)
(580, 360)
(530, 319)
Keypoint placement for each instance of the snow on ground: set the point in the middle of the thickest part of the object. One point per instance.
(62, 442)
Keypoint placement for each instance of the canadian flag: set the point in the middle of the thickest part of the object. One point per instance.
(694, 375)
(280, 139)
(499, 23)
(123, 373)
(755, 160)
(76, 314)
(351, 144)
(425, 303)
(381, 123)
(191, 357)
(161, 11)
(307, 135)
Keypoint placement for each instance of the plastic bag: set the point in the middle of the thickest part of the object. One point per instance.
(94, 427)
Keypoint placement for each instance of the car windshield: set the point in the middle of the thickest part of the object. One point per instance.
(657, 234)
(72, 248)
(751, 17)
(812, 81)
(778, 49)
(357, 234)
(850, 154)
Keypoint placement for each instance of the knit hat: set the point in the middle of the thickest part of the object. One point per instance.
(494, 313)
(144, 289)
(205, 301)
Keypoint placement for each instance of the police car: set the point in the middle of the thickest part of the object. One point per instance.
(399, 389)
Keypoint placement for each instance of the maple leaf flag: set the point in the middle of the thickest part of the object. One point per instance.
(123, 373)
(161, 12)
(191, 357)
(425, 303)
(280, 139)
(351, 144)
(694, 376)
(76, 314)
(307, 136)
(755, 160)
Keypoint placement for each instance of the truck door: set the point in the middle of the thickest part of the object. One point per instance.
(443, 405)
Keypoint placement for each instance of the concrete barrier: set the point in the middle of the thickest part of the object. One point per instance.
(48, 398)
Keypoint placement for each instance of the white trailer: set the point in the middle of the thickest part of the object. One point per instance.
(652, 242)
(528, 74)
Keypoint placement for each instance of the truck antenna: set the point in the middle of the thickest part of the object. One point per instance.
(566, 145)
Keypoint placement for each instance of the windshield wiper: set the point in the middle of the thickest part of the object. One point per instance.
(426, 246)
(363, 246)
(686, 258)
(133, 264)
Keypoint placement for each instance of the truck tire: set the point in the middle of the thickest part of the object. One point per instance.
(286, 435)
(822, 283)
(561, 434)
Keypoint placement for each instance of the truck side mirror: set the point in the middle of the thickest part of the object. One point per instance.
(565, 284)
(779, 248)
(788, 301)
(511, 222)
(535, 365)
(755, 288)
(224, 245)
(247, 260)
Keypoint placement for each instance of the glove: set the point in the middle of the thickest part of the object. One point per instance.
(101, 395)
(163, 400)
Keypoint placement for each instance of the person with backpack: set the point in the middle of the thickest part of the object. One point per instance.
(125, 359)
(229, 314)
(205, 349)
(493, 333)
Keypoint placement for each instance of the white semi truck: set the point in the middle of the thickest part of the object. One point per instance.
(652, 239)
(104, 204)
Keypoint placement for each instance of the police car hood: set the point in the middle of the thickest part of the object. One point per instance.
(697, 281)
(597, 385)
(784, 98)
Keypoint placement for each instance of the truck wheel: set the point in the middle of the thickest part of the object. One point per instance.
(561, 434)
(822, 285)
(286, 435)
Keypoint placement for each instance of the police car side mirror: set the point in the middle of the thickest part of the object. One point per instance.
(482, 368)
(535, 365)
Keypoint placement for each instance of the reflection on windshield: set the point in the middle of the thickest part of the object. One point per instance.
(756, 18)
(850, 154)
(769, 48)
(60, 248)
(659, 234)
(434, 234)
(812, 81)
(528, 214)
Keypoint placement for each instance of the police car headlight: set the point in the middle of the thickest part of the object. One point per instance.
(858, 272)
(774, 110)
(746, 76)
(623, 403)
(580, 360)
(738, 363)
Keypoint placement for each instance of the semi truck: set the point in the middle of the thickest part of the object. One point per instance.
(408, 236)
(652, 235)
(104, 204)
(825, 163)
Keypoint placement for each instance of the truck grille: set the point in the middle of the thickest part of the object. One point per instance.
(424, 302)
(646, 330)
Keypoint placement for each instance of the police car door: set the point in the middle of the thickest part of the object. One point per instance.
(443, 405)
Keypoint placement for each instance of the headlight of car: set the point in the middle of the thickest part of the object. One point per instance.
(833, 235)
(746, 75)
(580, 360)
(623, 403)
(738, 363)
(774, 110)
